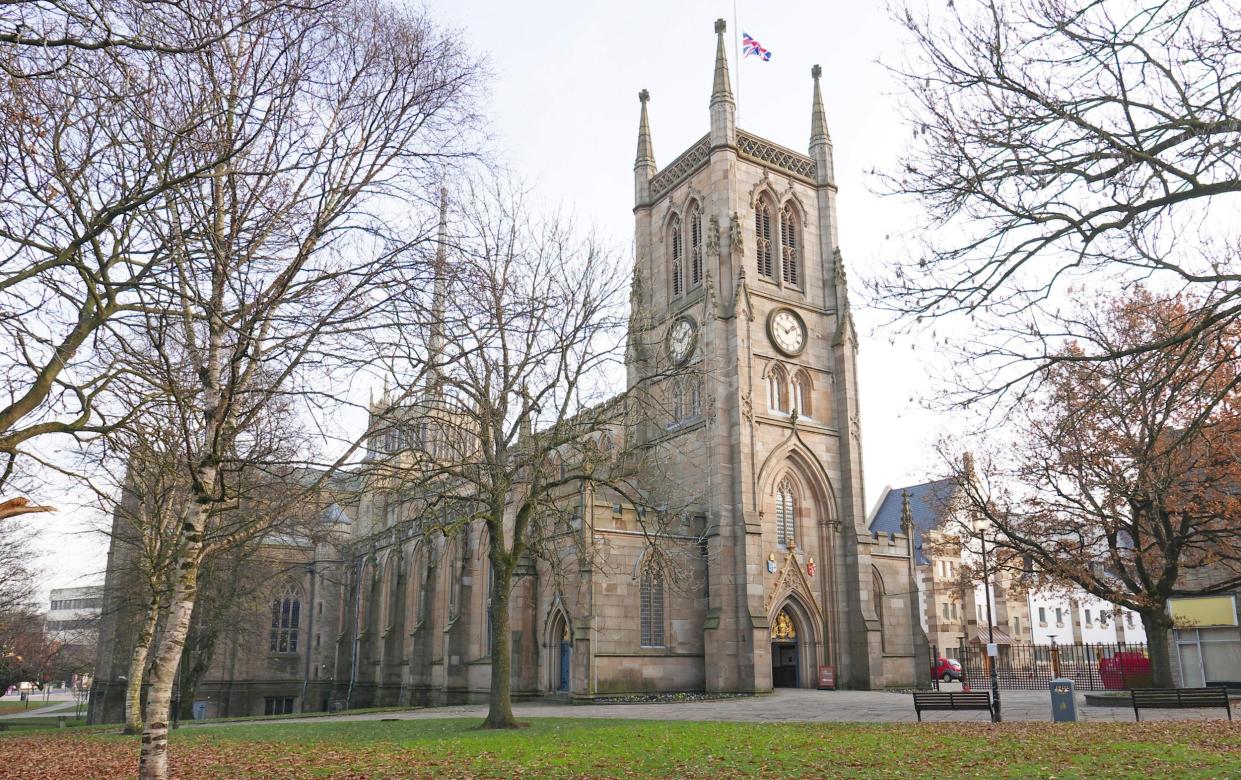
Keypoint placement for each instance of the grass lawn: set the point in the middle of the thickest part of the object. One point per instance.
(7, 707)
(563, 748)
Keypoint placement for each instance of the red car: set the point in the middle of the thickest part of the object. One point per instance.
(948, 669)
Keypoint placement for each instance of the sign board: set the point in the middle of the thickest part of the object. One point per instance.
(993, 650)
(827, 678)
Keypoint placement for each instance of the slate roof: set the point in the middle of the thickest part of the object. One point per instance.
(926, 502)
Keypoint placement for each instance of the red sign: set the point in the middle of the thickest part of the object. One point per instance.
(827, 678)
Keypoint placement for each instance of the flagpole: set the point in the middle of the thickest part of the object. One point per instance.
(737, 57)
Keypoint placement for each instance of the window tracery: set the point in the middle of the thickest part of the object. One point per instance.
(790, 263)
(676, 249)
(803, 395)
(786, 514)
(285, 621)
(762, 240)
(778, 389)
(651, 594)
(695, 247)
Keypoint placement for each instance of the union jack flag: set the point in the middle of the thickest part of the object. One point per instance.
(751, 46)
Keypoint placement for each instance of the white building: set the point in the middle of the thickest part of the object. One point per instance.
(74, 614)
(1080, 617)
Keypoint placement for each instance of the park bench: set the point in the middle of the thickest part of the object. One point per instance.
(952, 700)
(1178, 699)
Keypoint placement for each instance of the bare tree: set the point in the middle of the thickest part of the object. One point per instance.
(94, 133)
(523, 337)
(276, 259)
(1122, 476)
(1057, 144)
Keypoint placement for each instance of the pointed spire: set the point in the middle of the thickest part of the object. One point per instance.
(435, 345)
(723, 107)
(644, 164)
(818, 118)
(907, 513)
(721, 89)
(646, 152)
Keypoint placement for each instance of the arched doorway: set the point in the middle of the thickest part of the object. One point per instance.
(785, 653)
(560, 641)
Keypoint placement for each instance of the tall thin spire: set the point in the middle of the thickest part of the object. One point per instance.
(646, 152)
(818, 118)
(644, 163)
(721, 89)
(723, 107)
(435, 345)
(820, 140)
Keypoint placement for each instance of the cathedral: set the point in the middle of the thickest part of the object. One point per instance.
(738, 276)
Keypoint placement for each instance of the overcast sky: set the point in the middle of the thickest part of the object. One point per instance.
(564, 112)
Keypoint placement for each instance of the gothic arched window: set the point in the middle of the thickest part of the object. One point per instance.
(695, 398)
(790, 263)
(651, 610)
(695, 246)
(677, 252)
(762, 240)
(778, 389)
(786, 515)
(877, 585)
(286, 616)
(803, 395)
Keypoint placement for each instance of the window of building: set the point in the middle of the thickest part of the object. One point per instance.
(877, 584)
(676, 250)
(1042, 616)
(1017, 625)
(778, 389)
(695, 398)
(786, 515)
(652, 610)
(278, 705)
(803, 395)
(954, 610)
(762, 240)
(1089, 622)
(790, 264)
(1059, 616)
(944, 609)
(285, 618)
(695, 247)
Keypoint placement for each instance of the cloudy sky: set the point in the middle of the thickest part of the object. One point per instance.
(564, 110)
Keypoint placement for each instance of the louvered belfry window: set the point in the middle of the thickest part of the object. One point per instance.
(695, 247)
(652, 610)
(677, 255)
(762, 239)
(789, 261)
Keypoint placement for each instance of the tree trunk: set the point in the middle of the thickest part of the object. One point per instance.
(500, 699)
(137, 668)
(1157, 624)
(153, 759)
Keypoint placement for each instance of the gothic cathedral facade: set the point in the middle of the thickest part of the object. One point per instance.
(739, 285)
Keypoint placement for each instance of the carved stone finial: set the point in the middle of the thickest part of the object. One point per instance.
(815, 72)
(720, 26)
(644, 96)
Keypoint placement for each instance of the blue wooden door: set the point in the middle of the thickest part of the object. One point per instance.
(565, 651)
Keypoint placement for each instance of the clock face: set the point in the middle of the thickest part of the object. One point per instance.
(681, 339)
(787, 331)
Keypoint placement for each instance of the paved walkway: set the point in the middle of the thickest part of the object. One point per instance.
(788, 706)
(37, 710)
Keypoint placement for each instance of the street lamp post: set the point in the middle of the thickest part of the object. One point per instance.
(986, 581)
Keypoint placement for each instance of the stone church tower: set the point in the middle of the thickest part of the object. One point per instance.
(739, 281)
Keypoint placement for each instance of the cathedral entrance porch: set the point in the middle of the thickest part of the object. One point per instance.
(784, 652)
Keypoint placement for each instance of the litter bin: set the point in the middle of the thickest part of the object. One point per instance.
(1063, 704)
